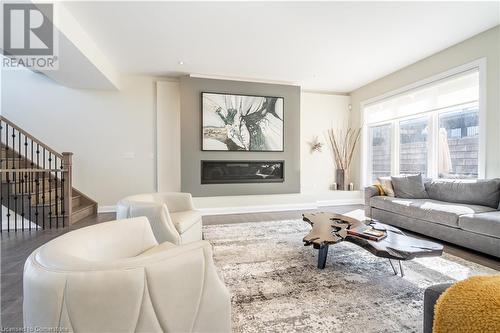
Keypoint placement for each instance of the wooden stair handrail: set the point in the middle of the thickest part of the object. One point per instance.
(20, 130)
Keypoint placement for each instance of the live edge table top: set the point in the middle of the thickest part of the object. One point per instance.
(331, 228)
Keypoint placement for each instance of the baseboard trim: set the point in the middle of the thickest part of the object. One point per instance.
(106, 209)
(262, 208)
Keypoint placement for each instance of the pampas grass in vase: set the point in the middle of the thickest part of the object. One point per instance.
(342, 144)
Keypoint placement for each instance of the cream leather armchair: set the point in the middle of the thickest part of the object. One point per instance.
(172, 216)
(114, 277)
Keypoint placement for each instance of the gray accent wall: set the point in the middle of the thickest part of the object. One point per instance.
(192, 155)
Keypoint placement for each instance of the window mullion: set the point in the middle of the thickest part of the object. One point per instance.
(432, 149)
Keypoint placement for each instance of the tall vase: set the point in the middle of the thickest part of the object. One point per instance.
(341, 178)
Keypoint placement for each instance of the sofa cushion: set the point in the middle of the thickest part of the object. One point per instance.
(427, 209)
(482, 223)
(185, 220)
(409, 187)
(485, 192)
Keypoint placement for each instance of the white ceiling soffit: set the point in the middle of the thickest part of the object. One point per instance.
(81, 64)
(322, 46)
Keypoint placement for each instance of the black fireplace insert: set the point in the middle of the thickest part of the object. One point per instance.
(227, 172)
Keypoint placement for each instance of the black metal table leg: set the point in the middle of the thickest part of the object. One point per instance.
(394, 269)
(322, 254)
(400, 268)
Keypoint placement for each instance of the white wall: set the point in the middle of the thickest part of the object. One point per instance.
(319, 112)
(168, 127)
(484, 45)
(111, 133)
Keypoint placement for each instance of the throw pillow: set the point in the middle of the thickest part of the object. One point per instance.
(380, 189)
(386, 184)
(409, 187)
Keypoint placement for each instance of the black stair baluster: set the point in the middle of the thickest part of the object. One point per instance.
(22, 179)
(6, 145)
(37, 215)
(61, 189)
(25, 152)
(50, 190)
(16, 180)
(43, 190)
(26, 175)
(20, 175)
(56, 197)
(8, 201)
(8, 174)
(30, 197)
(37, 198)
(61, 203)
(21, 198)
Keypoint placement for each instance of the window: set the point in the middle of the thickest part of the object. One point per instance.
(433, 129)
(380, 148)
(459, 143)
(413, 145)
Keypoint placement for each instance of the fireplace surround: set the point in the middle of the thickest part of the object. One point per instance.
(228, 172)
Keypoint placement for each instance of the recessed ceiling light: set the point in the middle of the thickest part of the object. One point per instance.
(181, 62)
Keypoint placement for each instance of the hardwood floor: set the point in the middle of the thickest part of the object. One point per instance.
(16, 247)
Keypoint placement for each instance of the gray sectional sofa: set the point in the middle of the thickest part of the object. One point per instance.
(462, 212)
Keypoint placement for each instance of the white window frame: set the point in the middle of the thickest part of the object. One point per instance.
(480, 65)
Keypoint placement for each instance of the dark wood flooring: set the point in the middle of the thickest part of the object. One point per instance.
(17, 246)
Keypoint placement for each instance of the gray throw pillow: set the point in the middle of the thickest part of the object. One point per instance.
(409, 187)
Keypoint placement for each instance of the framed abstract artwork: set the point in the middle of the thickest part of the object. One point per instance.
(241, 122)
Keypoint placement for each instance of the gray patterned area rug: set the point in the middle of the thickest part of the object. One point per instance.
(276, 286)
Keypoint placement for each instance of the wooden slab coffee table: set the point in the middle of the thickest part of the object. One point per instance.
(331, 228)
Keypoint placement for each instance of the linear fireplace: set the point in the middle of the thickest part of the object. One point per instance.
(227, 172)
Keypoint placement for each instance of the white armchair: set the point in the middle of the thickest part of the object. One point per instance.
(172, 215)
(114, 277)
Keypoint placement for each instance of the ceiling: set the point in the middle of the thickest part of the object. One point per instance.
(325, 46)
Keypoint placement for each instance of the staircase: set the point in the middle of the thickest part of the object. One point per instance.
(35, 185)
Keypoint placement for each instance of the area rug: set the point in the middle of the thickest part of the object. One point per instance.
(276, 287)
